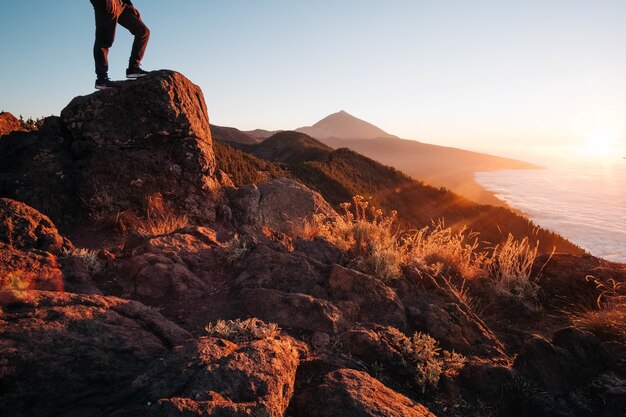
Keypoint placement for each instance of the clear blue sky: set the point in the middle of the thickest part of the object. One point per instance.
(493, 75)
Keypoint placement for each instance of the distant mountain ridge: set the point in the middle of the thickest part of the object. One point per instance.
(442, 166)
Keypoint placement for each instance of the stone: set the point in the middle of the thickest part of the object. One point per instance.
(215, 377)
(351, 393)
(364, 298)
(69, 354)
(9, 124)
(283, 204)
(299, 311)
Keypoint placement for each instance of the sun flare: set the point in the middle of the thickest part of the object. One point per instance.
(601, 142)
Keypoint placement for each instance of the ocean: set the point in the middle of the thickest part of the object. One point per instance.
(583, 202)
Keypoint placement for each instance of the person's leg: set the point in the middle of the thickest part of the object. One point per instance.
(135, 25)
(106, 21)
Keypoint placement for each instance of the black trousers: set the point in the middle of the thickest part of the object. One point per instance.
(106, 23)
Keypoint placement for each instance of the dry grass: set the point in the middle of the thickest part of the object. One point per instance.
(242, 331)
(366, 234)
(608, 317)
(377, 247)
(447, 252)
(160, 218)
(510, 267)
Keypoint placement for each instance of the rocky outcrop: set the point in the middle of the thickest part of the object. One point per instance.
(109, 151)
(215, 377)
(68, 354)
(283, 204)
(30, 245)
(350, 393)
(9, 124)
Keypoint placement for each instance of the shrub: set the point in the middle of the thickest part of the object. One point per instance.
(430, 362)
(242, 331)
(235, 248)
(88, 258)
(510, 267)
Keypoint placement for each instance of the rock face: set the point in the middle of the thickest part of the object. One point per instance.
(9, 124)
(67, 354)
(293, 310)
(281, 203)
(29, 248)
(153, 134)
(215, 377)
(109, 151)
(350, 393)
(365, 298)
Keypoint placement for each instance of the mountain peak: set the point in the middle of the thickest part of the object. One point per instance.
(343, 125)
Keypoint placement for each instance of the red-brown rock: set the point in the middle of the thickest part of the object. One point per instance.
(364, 298)
(293, 310)
(350, 393)
(215, 377)
(68, 354)
(9, 124)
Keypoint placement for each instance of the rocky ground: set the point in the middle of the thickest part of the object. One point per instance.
(155, 320)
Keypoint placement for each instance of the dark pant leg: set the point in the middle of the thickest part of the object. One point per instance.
(106, 22)
(135, 25)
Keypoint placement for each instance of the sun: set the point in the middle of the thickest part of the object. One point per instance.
(601, 142)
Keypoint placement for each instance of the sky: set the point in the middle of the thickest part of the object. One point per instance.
(524, 79)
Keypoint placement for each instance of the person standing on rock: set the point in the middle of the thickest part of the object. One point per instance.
(108, 14)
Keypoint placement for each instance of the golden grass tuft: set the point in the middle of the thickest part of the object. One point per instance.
(160, 219)
(242, 330)
(510, 266)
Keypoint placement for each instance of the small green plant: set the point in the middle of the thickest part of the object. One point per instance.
(236, 248)
(242, 330)
(88, 258)
(430, 361)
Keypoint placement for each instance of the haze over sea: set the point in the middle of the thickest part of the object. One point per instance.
(584, 202)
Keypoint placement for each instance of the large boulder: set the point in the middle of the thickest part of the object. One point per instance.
(65, 354)
(351, 393)
(149, 136)
(9, 124)
(111, 150)
(283, 204)
(215, 377)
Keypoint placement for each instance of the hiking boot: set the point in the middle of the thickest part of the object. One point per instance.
(134, 73)
(104, 83)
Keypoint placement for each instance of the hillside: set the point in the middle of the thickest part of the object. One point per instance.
(232, 289)
(437, 165)
(340, 174)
